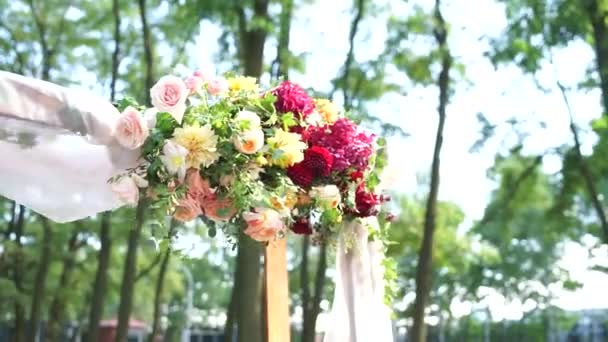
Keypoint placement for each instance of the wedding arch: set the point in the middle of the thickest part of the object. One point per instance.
(268, 162)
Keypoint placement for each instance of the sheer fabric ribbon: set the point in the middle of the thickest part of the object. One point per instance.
(57, 148)
(358, 311)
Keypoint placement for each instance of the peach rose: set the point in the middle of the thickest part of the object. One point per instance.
(126, 190)
(249, 142)
(219, 209)
(198, 188)
(263, 224)
(217, 87)
(187, 209)
(169, 95)
(131, 129)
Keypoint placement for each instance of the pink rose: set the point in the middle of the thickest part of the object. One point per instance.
(126, 190)
(187, 209)
(263, 224)
(194, 84)
(217, 86)
(131, 129)
(205, 74)
(219, 209)
(169, 95)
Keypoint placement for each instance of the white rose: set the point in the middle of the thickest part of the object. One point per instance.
(251, 117)
(326, 195)
(249, 142)
(150, 117)
(126, 190)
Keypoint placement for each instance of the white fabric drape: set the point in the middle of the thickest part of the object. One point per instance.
(358, 311)
(57, 149)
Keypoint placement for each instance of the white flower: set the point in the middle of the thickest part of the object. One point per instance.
(326, 195)
(314, 119)
(150, 117)
(125, 189)
(254, 170)
(174, 159)
(139, 180)
(250, 141)
(248, 116)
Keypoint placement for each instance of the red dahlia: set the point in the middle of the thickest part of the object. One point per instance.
(300, 175)
(302, 226)
(319, 160)
(292, 98)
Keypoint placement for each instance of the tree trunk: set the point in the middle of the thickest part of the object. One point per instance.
(597, 17)
(247, 286)
(230, 319)
(304, 283)
(148, 50)
(101, 279)
(247, 278)
(350, 55)
(315, 308)
(40, 280)
(128, 277)
(160, 282)
(425, 257)
(101, 274)
(57, 309)
(281, 63)
(158, 294)
(18, 276)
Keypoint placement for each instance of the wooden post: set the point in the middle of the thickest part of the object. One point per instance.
(276, 292)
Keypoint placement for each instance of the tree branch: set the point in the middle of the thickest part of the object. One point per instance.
(19, 55)
(584, 168)
(350, 56)
(116, 53)
(148, 53)
(513, 190)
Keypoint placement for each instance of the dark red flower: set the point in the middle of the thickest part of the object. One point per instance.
(356, 175)
(319, 160)
(292, 98)
(300, 175)
(350, 146)
(366, 202)
(302, 226)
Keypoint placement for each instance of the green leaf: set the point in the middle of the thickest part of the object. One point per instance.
(166, 124)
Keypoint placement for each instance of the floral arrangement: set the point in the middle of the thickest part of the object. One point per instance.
(245, 159)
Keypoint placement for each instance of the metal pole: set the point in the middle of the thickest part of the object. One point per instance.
(189, 301)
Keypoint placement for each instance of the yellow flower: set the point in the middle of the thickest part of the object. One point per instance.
(284, 205)
(201, 143)
(328, 110)
(287, 148)
(242, 83)
(261, 160)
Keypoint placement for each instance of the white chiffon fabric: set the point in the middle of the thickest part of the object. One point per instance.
(57, 149)
(358, 310)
